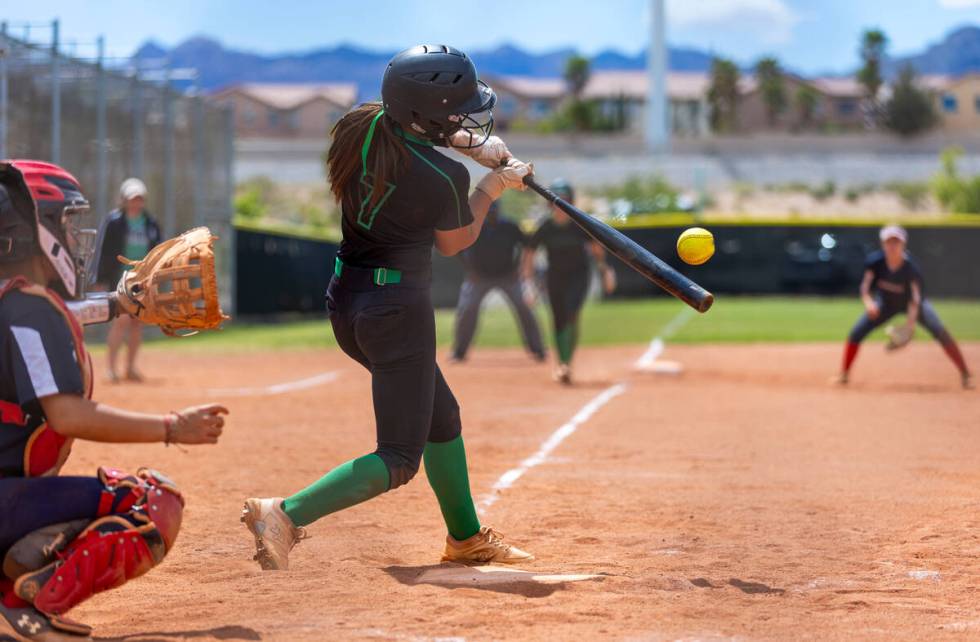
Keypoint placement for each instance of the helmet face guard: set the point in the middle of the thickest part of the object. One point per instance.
(58, 207)
(478, 124)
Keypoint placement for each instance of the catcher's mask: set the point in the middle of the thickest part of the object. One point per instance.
(56, 199)
(432, 91)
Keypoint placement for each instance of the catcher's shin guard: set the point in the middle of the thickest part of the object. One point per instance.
(113, 549)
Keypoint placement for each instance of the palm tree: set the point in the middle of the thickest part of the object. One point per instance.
(723, 94)
(577, 72)
(873, 44)
(771, 86)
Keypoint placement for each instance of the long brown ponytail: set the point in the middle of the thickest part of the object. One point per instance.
(386, 157)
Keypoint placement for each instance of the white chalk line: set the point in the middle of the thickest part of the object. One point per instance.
(278, 388)
(656, 347)
(507, 479)
(583, 415)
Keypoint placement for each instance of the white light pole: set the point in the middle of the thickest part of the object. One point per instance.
(657, 130)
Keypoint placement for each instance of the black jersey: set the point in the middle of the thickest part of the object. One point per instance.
(39, 357)
(894, 288)
(566, 245)
(497, 252)
(431, 194)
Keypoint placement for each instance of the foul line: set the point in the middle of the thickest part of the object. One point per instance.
(552, 442)
(656, 347)
(278, 388)
(507, 479)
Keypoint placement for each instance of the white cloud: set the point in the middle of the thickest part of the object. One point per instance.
(959, 4)
(771, 21)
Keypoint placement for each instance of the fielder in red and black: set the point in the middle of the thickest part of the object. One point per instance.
(892, 285)
(64, 539)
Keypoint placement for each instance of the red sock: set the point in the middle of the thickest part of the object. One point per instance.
(8, 597)
(953, 352)
(850, 351)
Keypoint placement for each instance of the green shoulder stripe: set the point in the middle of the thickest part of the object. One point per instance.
(452, 186)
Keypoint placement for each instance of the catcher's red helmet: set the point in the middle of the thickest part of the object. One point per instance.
(55, 202)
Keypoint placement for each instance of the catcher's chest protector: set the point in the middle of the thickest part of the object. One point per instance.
(43, 451)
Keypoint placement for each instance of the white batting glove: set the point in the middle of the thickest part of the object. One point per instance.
(509, 176)
(490, 154)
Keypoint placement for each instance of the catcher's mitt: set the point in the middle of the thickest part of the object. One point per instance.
(898, 337)
(175, 286)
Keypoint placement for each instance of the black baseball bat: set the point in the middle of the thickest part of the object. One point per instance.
(631, 253)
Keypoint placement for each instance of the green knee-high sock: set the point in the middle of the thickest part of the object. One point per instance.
(565, 342)
(350, 483)
(445, 466)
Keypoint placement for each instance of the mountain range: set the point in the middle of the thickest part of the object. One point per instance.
(958, 53)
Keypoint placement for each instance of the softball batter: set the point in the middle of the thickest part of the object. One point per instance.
(568, 249)
(400, 196)
(892, 284)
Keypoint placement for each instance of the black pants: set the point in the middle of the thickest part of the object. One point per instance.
(471, 294)
(391, 331)
(927, 318)
(566, 296)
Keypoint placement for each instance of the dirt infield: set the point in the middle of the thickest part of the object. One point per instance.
(745, 498)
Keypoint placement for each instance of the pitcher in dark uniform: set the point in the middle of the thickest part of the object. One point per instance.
(493, 263)
(893, 284)
(570, 253)
(400, 196)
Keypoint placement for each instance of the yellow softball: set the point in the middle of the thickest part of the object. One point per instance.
(695, 245)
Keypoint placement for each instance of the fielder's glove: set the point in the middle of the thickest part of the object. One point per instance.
(175, 286)
(898, 337)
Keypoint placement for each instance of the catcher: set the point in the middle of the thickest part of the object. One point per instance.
(892, 284)
(64, 539)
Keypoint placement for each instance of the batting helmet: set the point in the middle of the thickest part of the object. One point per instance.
(433, 91)
(40, 211)
(563, 189)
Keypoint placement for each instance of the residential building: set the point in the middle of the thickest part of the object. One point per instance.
(279, 110)
(525, 100)
(958, 104)
(837, 104)
(621, 95)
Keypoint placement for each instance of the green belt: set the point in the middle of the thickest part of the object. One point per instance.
(381, 276)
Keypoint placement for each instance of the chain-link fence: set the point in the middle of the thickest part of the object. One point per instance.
(106, 121)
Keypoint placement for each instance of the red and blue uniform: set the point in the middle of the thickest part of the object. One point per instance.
(63, 539)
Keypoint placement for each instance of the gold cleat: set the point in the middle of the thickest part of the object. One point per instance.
(275, 535)
(563, 374)
(485, 547)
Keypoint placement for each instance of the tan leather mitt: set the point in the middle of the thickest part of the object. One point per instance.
(898, 337)
(174, 286)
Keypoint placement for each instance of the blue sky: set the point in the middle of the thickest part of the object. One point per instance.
(808, 35)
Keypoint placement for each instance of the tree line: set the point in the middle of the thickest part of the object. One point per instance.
(908, 110)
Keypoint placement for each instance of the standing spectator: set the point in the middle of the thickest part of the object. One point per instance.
(494, 262)
(128, 231)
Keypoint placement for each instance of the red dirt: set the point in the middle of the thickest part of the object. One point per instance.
(745, 498)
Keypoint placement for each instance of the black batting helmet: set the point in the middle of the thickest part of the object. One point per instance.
(432, 91)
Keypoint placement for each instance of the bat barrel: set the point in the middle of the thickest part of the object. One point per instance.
(631, 253)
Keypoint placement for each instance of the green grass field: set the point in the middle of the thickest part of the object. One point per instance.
(731, 320)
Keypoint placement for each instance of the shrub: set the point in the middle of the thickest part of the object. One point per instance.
(911, 193)
(956, 193)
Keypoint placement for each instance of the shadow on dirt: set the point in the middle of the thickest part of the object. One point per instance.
(218, 633)
(752, 588)
(486, 578)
